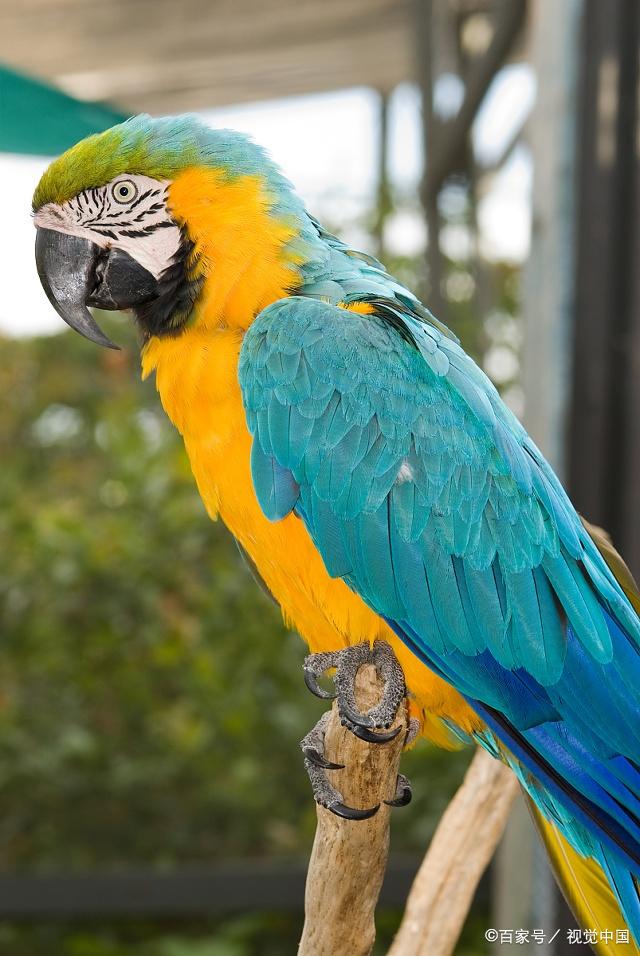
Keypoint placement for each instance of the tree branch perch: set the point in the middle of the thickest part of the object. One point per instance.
(460, 851)
(349, 857)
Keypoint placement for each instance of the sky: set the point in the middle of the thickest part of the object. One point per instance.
(312, 138)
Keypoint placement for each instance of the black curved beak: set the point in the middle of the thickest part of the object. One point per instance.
(76, 273)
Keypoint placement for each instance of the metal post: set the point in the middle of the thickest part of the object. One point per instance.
(384, 199)
(548, 280)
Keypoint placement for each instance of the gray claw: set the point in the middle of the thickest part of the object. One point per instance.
(403, 793)
(352, 716)
(316, 765)
(351, 813)
(311, 681)
(367, 727)
(318, 760)
(412, 732)
(347, 663)
(369, 736)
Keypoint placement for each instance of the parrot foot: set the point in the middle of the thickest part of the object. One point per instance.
(317, 765)
(347, 663)
(412, 732)
(403, 792)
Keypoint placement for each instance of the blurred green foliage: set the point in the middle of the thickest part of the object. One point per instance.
(253, 934)
(151, 700)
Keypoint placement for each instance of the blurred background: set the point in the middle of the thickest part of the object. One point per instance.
(153, 799)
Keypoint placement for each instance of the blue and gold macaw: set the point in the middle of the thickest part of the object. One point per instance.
(392, 504)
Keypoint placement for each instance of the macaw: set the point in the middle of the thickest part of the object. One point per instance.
(392, 504)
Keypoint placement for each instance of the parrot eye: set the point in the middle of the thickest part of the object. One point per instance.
(124, 191)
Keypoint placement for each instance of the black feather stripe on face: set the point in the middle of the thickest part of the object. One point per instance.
(178, 288)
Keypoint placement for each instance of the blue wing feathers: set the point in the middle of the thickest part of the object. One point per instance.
(424, 493)
(275, 486)
(625, 887)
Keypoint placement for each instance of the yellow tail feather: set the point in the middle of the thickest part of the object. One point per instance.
(585, 889)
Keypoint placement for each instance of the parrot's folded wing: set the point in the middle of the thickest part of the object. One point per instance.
(421, 490)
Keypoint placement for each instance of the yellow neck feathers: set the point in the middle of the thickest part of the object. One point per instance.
(240, 249)
(239, 244)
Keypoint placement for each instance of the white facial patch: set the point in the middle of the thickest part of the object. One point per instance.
(129, 213)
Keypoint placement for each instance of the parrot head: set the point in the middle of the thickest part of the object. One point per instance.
(142, 216)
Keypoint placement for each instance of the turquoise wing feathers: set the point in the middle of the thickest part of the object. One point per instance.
(422, 491)
(359, 429)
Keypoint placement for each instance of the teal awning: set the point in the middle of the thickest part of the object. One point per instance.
(38, 119)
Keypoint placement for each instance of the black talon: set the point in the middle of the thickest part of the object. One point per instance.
(318, 760)
(311, 681)
(371, 738)
(351, 813)
(403, 794)
(354, 717)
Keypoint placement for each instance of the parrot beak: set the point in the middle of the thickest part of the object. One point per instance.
(76, 273)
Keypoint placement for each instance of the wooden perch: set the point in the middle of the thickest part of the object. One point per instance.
(349, 857)
(461, 848)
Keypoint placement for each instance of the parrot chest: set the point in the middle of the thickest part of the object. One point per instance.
(196, 376)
